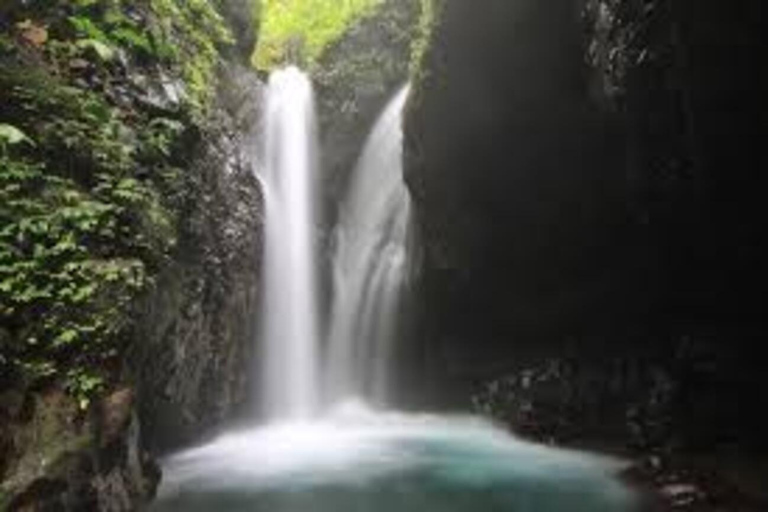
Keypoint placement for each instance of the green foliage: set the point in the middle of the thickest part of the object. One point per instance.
(299, 31)
(105, 52)
(84, 384)
(10, 135)
(89, 180)
(80, 233)
(183, 36)
(190, 31)
(428, 19)
(257, 12)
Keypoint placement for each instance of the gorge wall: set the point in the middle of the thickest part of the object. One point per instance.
(526, 239)
(586, 179)
(587, 183)
(196, 332)
(150, 135)
(355, 78)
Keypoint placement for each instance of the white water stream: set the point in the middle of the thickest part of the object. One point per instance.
(370, 266)
(290, 336)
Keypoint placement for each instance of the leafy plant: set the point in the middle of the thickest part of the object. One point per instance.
(182, 35)
(10, 135)
(84, 385)
(196, 29)
(88, 186)
(104, 51)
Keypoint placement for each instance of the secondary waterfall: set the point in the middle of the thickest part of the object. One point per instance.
(370, 265)
(290, 331)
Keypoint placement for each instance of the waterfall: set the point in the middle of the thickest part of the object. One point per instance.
(290, 327)
(352, 457)
(369, 265)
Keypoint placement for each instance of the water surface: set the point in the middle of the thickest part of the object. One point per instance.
(357, 460)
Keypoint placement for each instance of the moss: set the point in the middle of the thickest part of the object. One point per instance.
(430, 15)
(429, 19)
(370, 55)
(193, 29)
(243, 18)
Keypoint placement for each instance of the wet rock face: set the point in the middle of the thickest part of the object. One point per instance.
(684, 78)
(354, 80)
(241, 17)
(90, 461)
(573, 175)
(194, 343)
(642, 335)
(517, 181)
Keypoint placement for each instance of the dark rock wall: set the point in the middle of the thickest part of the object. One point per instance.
(586, 176)
(355, 79)
(243, 17)
(687, 79)
(195, 337)
(517, 180)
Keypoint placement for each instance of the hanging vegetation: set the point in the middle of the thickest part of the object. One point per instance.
(96, 100)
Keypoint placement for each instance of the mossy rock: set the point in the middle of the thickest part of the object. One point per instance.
(72, 460)
(355, 78)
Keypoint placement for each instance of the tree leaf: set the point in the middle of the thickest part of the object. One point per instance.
(66, 337)
(105, 52)
(11, 135)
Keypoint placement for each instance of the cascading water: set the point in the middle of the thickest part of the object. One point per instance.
(290, 330)
(351, 458)
(370, 265)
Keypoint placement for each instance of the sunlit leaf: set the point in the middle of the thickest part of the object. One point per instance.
(104, 51)
(11, 135)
